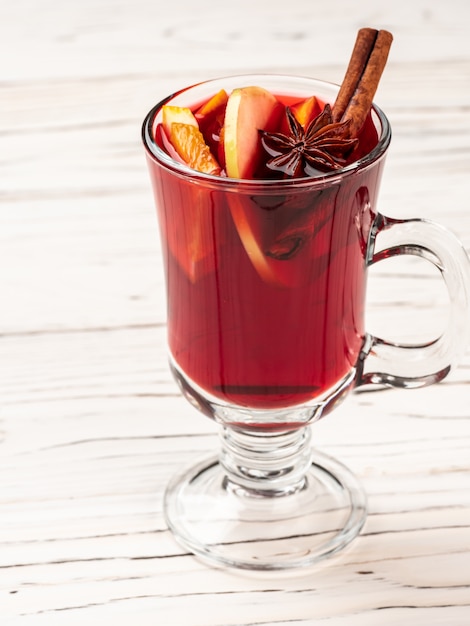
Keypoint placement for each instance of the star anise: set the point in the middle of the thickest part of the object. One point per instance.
(323, 145)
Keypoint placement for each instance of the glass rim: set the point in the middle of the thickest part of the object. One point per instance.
(159, 155)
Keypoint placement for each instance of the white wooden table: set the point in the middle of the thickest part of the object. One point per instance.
(92, 425)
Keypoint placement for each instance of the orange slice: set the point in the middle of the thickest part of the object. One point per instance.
(172, 114)
(193, 227)
(189, 143)
(210, 117)
(212, 105)
(192, 238)
(191, 220)
(304, 111)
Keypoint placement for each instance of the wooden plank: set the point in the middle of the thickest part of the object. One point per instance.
(91, 424)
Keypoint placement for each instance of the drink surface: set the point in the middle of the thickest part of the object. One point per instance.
(266, 289)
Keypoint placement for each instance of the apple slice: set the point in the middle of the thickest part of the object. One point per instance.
(279, 240)
(249, 110)
(250, 230)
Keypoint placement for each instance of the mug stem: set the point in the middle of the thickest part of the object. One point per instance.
(268, 464)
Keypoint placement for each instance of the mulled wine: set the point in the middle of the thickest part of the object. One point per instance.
(266, 285)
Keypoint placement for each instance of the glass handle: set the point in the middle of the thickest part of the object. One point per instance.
(409, 366)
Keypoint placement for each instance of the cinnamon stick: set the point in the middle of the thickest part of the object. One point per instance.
(357, 91)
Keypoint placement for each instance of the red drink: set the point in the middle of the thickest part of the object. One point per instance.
(276, 335)
(266, 283)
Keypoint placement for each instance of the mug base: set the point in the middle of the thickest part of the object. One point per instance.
(232, 527)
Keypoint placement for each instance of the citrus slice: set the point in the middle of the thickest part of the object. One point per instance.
(210, 117)
(193, 228)
(213, 105)
(189, 143)
(304, 111)
(191, 239)
(172, 114)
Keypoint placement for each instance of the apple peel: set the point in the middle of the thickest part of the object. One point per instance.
(249, 110)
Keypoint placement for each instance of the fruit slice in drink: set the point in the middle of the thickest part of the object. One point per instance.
(276, 232)
(265, 224)
(305, 111)
(191, 241)
(210, 117)
(248, 110)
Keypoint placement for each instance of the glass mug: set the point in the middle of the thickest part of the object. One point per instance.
(266, 288)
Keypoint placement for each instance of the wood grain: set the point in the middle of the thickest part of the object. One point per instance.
(92, 425)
